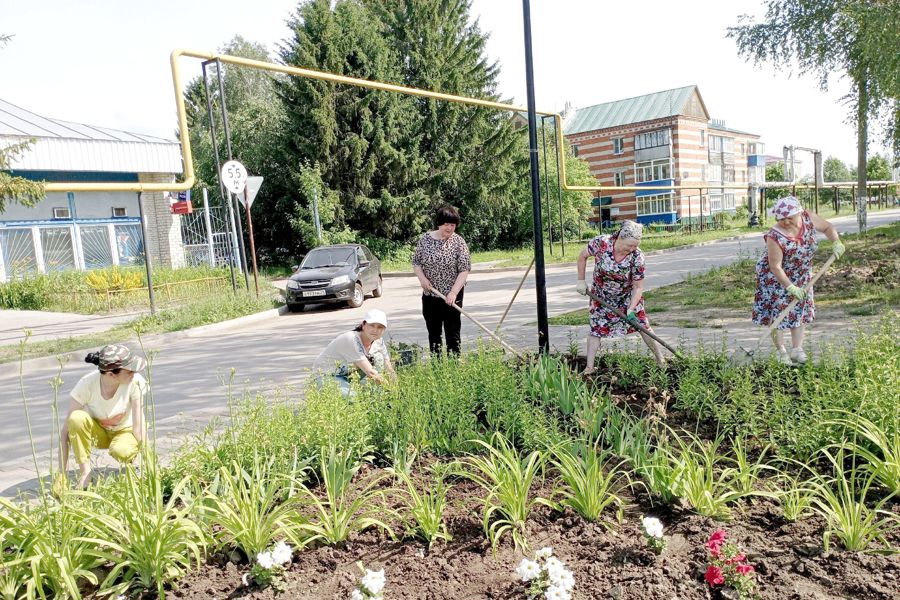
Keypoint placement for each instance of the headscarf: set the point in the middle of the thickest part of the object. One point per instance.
(786, 207)
(631, 230)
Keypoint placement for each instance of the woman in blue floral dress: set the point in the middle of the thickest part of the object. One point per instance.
(785, 269)
(619, 281)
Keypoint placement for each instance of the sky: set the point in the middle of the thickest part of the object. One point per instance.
(106, 62)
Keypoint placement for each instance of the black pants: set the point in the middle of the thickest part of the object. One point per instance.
(439, 316)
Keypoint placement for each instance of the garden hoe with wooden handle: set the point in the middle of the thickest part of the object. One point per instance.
(474, 320)
(637, 326)
(770, 330)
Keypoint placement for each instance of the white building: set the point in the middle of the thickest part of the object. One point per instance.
(86, 230)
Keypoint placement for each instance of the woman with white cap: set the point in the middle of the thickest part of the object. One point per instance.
(360, 352)
(105, 410)
(784, 270)
(619, 281)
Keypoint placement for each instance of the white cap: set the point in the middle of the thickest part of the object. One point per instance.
(376, 316)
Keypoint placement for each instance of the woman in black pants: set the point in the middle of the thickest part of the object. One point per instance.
(442, 262)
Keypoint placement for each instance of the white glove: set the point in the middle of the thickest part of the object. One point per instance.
(581, 287)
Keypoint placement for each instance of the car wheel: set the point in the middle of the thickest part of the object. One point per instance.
(379, 289)
(295, 308)
(357, 299)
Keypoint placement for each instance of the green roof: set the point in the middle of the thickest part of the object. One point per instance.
(649, 107)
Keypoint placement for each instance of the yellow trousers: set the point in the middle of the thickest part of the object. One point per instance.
(85, 434)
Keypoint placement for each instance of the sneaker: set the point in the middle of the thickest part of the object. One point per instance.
(782, 356)
(798, 356)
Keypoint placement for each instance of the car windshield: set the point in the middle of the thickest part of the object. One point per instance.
(330, 257)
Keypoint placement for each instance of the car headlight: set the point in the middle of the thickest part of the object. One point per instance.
(293, 285)
(340, 279)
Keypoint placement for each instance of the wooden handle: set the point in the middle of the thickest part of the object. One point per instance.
(806, 288)
(474, 320)
(637, 326)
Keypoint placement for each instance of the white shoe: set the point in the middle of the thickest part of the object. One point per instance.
(798, 355)
(782, 356)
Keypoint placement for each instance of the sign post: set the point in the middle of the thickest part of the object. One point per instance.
(251, 188)
(234, 178)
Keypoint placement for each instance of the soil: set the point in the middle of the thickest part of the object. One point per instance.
(609, 560)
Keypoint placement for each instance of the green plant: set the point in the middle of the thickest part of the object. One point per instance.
(53, 559)
(425, 506)
(506, 477)
(795, 497)
(248, 510)
(841, 501)
(551, 381)
(340, 513)
(591, 480)
(744, 472)
(879, 445)
(152, 540)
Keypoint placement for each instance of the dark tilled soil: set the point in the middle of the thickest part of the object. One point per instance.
(611, 562)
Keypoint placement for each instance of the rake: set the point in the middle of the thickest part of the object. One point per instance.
(770, 330)
(637, 326)
(477, 322)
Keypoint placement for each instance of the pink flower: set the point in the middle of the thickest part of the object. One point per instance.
(716, 540)
(744, 569)
(737, 558)
(714, 576)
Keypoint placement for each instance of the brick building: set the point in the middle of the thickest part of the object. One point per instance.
(664, 139)
(86, 230)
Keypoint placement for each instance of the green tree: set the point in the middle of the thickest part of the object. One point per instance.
(852, 38)
(775, 172)
(473, 155)
(834, 169)
(362, 140)
(16, 189)
(878, 169)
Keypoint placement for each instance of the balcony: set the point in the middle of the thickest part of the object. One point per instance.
(657, 183)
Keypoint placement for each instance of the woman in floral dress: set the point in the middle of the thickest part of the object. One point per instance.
(785, 269)
(619, 281)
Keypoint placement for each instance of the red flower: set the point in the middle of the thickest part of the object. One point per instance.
(744, 569)
(737, 558)
(714, 576)
(715, 541)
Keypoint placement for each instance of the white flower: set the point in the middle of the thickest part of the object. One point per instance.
(545, 552)
(282, 553)
(373, 581)
(553, 566)
(356, 595)
(528, 569)
(653, 526)
(557, 593)
(265, 560)
(562, 578)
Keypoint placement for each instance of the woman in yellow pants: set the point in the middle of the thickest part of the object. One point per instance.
(106, 410)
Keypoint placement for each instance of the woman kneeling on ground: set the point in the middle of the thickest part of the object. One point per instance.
(784, 270)
(105, 411)
(361, 351)
(619, 282)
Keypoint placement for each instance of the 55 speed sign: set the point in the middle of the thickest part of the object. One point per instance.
(234, 176)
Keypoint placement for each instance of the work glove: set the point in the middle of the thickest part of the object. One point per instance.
(837, 249)
(581, 287)
(796, 292)
(632, 318)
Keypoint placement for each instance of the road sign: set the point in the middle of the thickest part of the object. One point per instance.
(234, 176)
(253, 185)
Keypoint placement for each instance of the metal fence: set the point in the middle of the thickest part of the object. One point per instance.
(205, 239)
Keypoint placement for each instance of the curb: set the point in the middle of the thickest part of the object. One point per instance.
(78, 355)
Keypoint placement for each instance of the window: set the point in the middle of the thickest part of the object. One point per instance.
(702, 138)
(728, 174)
(703, 173)
(651, 139)
(61, 212)
(619, 178)
(719, 201)
(652, 170)
(742, 148)
(654, 205)
(575, 151)
(715, 173)
(119, 211)
(618, 145)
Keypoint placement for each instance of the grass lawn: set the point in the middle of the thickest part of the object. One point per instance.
(203, 311)
(865, 281)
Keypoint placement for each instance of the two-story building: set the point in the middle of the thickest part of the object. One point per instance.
(659, 141)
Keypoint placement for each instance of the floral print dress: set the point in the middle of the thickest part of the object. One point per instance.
(772, 297)
(613, 282)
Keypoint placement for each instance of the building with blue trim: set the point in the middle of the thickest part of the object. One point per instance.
(664, 139)
(86, 230)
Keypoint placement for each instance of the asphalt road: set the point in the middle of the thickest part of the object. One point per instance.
(189, 370)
